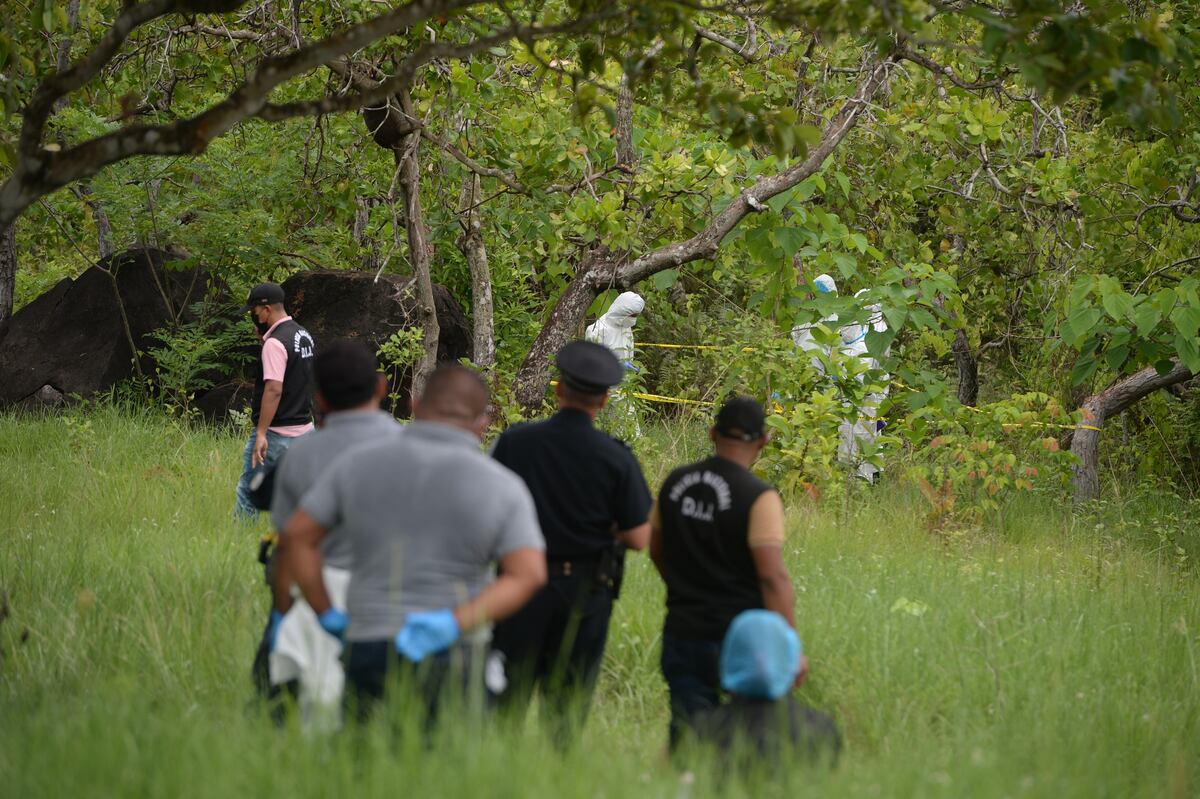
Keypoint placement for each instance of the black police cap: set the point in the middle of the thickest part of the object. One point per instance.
(264, 294)
(589, 367)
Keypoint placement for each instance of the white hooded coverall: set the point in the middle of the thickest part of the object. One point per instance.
(802, 335)
(854, 343)
(615, 328)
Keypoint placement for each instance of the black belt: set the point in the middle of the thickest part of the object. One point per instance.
(573, 567)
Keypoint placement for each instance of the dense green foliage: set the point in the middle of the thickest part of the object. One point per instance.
(1023, 186)
(1045, 656)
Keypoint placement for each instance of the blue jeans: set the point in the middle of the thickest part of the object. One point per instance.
(692, 670)
(276, 446)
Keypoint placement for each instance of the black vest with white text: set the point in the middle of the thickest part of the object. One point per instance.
(295, 405)
(710, 574)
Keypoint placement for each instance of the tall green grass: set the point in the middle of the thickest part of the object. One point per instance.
(1041, 656)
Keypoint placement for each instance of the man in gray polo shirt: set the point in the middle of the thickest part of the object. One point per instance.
(426, 515)
(349, 390)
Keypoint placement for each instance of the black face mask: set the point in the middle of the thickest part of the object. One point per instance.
(263, 327)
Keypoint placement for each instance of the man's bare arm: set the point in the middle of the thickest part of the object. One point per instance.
(775, 582)
(272, 391)
(300, 559)
(635, 538)
(656, 543)
(522, 572)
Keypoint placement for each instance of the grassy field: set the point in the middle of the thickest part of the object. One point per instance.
(1042, 656)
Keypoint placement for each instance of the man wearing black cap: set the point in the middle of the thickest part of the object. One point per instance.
(349, 389)
(592, 504)
(282, 404)
(717, 535)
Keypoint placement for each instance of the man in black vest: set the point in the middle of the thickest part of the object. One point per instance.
(282, 405)
(716, 537)
(592, 503)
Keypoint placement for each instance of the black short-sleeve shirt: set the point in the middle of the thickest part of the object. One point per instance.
(583, 481)
(704, 509)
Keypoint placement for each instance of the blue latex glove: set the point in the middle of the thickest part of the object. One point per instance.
(426, 632)
(630, 366)
(334, 622)
(273, 630)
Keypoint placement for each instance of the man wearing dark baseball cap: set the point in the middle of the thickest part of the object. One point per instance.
(717, 534)
(592, 503)
(281, 408)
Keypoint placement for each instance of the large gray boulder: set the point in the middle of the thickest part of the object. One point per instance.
(75, 338)
(72, 340)
(351, 304)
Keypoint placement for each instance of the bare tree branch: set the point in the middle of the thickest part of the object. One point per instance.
(44, 171)
(62, 83)
(908, 54)
(747, 52)
(705, 243)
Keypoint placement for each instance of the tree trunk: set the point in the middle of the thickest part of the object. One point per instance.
(103, 227)
(627, 154)
(473, 249)
(63, 61)
(362, 237)
(409, 168)
(1098, 408)
(566, 317)
(968, 369)
(8, 271)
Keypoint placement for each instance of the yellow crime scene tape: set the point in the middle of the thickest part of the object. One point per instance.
(659, 398)
(777, 408)
(698, 347)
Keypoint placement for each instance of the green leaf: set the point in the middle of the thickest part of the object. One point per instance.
(1146, 316)
(790, 239)
(895, 317)
(843, 182)
(1080, 324)
(1164, 300)
(878, 343)
(1118, 304)
(1189, 352)
(1115, 356)
(1187, 320)
(665, 279)
(807, 134)
(1084, 368)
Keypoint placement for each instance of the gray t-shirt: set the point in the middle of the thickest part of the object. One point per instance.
(426, 514)
(313, 453)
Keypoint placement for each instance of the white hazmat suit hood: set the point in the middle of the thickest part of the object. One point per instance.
(615, 328)
(802, 335)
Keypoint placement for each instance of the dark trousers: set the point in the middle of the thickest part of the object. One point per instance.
(692, 670)
(274, 695)
(457, 677)
(555, 644)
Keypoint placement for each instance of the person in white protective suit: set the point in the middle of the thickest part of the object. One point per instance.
(802, 335)
(866, 428)
(853, 342)
(614, 329)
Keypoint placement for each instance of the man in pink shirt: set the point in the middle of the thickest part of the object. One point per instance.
(282, 404)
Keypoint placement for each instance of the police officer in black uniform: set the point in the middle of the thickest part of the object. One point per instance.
(593, 504)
